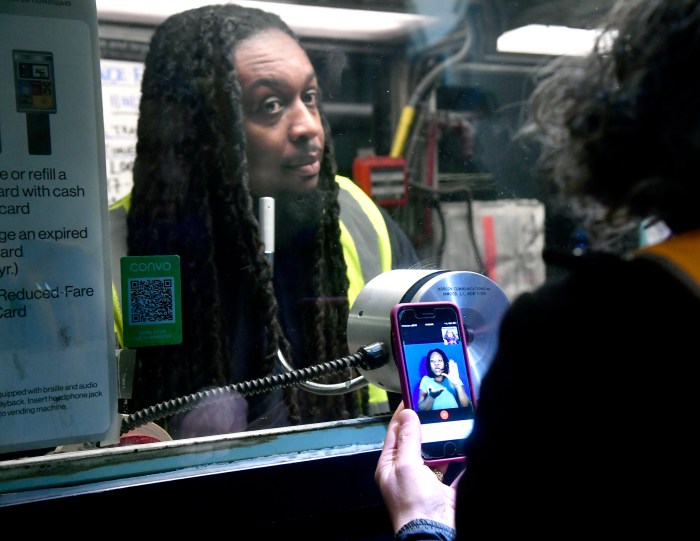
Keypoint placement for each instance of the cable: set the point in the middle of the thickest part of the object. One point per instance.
(435, 203)
(325, 388)
(368, 357)
(409, 109)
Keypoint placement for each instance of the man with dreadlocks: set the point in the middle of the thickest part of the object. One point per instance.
(230, 112)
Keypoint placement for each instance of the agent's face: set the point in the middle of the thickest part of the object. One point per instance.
(282, 122)
(437, 364)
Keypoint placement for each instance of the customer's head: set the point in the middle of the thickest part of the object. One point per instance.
(622, 127)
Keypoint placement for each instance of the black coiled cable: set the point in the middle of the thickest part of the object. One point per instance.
(367, 357)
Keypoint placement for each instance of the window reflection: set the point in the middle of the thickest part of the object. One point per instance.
(204, 116)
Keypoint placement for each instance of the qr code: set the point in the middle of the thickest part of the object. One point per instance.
(151, 301)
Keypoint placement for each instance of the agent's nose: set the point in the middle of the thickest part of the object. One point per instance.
(305, 122)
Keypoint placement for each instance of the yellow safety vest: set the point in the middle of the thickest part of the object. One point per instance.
(363, 235)
(118, 232)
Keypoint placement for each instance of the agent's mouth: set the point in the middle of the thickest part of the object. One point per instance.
(305, 163)
(303, 158)
(306, 168)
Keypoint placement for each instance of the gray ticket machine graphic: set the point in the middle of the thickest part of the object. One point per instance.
(35, 93)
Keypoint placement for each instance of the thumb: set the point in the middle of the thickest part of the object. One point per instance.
(408, 437)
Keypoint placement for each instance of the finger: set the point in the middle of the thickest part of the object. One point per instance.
(408, 435)
(387, 457)
(392, 428)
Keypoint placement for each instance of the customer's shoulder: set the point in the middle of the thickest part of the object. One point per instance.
(603, 279)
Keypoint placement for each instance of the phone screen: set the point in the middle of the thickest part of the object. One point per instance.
(431, 353)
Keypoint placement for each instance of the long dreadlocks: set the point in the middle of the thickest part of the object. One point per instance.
(191, 198)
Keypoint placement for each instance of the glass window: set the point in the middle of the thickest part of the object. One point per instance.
(208, 292)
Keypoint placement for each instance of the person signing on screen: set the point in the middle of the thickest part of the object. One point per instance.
(442, 388)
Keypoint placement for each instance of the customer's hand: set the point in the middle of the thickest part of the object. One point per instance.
(410, 489)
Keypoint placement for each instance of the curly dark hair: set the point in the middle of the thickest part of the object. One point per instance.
(621, 128)
(191, 198)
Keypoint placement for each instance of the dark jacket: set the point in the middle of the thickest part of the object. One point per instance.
(586, 418)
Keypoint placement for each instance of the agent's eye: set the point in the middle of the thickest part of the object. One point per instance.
(272, 106)
(310, 97)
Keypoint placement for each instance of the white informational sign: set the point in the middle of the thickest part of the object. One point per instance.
(121, 94)
(58, 375)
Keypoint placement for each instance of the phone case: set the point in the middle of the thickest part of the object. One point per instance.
(401, 363)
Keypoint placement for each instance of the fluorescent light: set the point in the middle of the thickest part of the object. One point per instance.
(306, 21)
(551, 40)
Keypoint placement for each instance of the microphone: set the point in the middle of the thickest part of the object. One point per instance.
(266, 212)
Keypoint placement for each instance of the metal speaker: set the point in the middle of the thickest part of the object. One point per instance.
(479, 298)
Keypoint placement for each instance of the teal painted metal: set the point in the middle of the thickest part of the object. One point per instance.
(85, 471)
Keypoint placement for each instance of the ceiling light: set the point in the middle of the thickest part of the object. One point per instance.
(312, 21)
(549, 40)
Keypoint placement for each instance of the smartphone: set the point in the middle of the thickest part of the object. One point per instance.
(430, 350)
